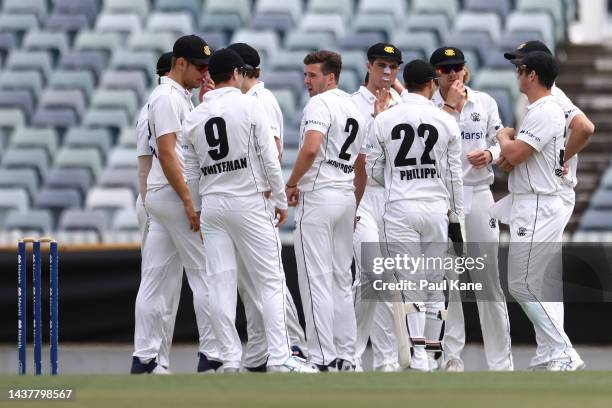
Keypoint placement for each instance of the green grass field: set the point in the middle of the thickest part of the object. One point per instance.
(378, 390)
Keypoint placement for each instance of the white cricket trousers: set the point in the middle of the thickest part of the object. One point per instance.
(168, 246)
(535, 270)
(374, 318)
(480, 227)
(323, 252)
(242, 228)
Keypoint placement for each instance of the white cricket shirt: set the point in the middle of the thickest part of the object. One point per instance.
(420, 152)
(270, 105)
(234, 147)
(365, 100)
(479, 123)
(334, 114)
(543, 128)
(169, 104)
(142, 133)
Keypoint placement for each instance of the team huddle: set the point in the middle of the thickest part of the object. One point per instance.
(398, 166)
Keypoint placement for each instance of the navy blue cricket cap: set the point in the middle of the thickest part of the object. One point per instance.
(224, 60)
(164, 63)
(526, 48)
(249, 55)
(193, 48)
(419, 71)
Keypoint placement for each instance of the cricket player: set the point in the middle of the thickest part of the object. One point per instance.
(419, 147)
(327, 183)
(256, 348)
(538, 213)
(237, 158)
(578, 131)
(374, 318)
(477, 115)
(173, 236)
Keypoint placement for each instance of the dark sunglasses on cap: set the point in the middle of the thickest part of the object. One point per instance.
(446, 69)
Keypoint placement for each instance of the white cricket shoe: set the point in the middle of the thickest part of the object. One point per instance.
(387, 368)
(294, 365)
(454, 365)
(566, 364)
(419, 361)
(161, 370)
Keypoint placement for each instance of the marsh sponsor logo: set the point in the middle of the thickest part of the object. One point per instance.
(471, 135)
(315, 122)
(531, 135)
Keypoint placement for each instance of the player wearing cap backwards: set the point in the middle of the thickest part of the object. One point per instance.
(327, 183)
(256, 348)
(578, 131)
(237, 158)
(539, 212)
(374, 318)
(477, 115)
(173, 230)
(419, 148)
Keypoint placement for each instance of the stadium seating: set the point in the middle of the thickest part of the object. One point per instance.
(75, 73)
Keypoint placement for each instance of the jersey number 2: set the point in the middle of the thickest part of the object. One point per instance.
(402, 158)
(216, 139)
(351, 127)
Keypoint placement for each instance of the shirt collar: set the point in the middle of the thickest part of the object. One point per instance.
(365, 92)
(539, 102)
(417, 98)
(257, 87)
(167, 80)
(216, 93)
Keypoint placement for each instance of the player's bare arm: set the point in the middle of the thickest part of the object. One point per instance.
(582, 130)
(172, 170)
(361, 177)
(514, 151)
(305, 159)
(144, 166)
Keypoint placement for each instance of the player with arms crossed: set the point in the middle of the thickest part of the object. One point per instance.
(237, 158)
(478, 118)
(374, 318)
(419, 148)
(538, 212)
(173, 230)
(327, 183)
(578, 131)
(256, 348)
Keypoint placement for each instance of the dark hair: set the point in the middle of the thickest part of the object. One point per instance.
(220, 77)
(414, 87)
(332, 62)
(253, 73)
(544, 65)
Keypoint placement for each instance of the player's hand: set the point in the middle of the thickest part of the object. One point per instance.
(456, 95)
(509, 133)
(292, 196)
(281, 216)
(207, 85)
(397, 85)
(566, 169)
(192, 217)
(503, 164)
(383, 98)
(479, 158)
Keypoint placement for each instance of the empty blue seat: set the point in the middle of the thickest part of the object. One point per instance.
(88, 8)
(606, 179)
(241, 8)
(509, 41)
(449, 7)
(424, 42)
(26, 179)
(596, 220)
(8, 41)
(20, 99)
(360, 41)
(501, 7)
(478, 42)
(46, 138)
(191, 6)
(37, 7)
(106, 42)
(34, 221)
(69, 178)
(57, 200)
(157, 42)
(144, 61)
(125, 220)
(265, 42)
(308, 41)
(32, 81)
(136, 81)
(64, 98)
(139, 7)
(68, 23)
(12, 199)
(504, 104)
(227, 23)
(332, 23)
(437, 23)
(83, 81)
(379, 23)
(396, 8)
(18, 24)
(119, 178)
(489, 23)
(176, 22)
(113, 119)
(293, 80)
(535, 22)
(293, 8)
(93, 61)
(602, 200)
(31, 158)
(281, 23)
(60, 118)
(85, 137)
(30, 60)
(54, 42)
(291, 138)
(84, 220)
(215, 39)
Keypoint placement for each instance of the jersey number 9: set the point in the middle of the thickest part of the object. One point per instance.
(216, 139)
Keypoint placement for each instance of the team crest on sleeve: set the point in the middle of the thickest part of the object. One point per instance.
(492, 223)
(475, 117)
